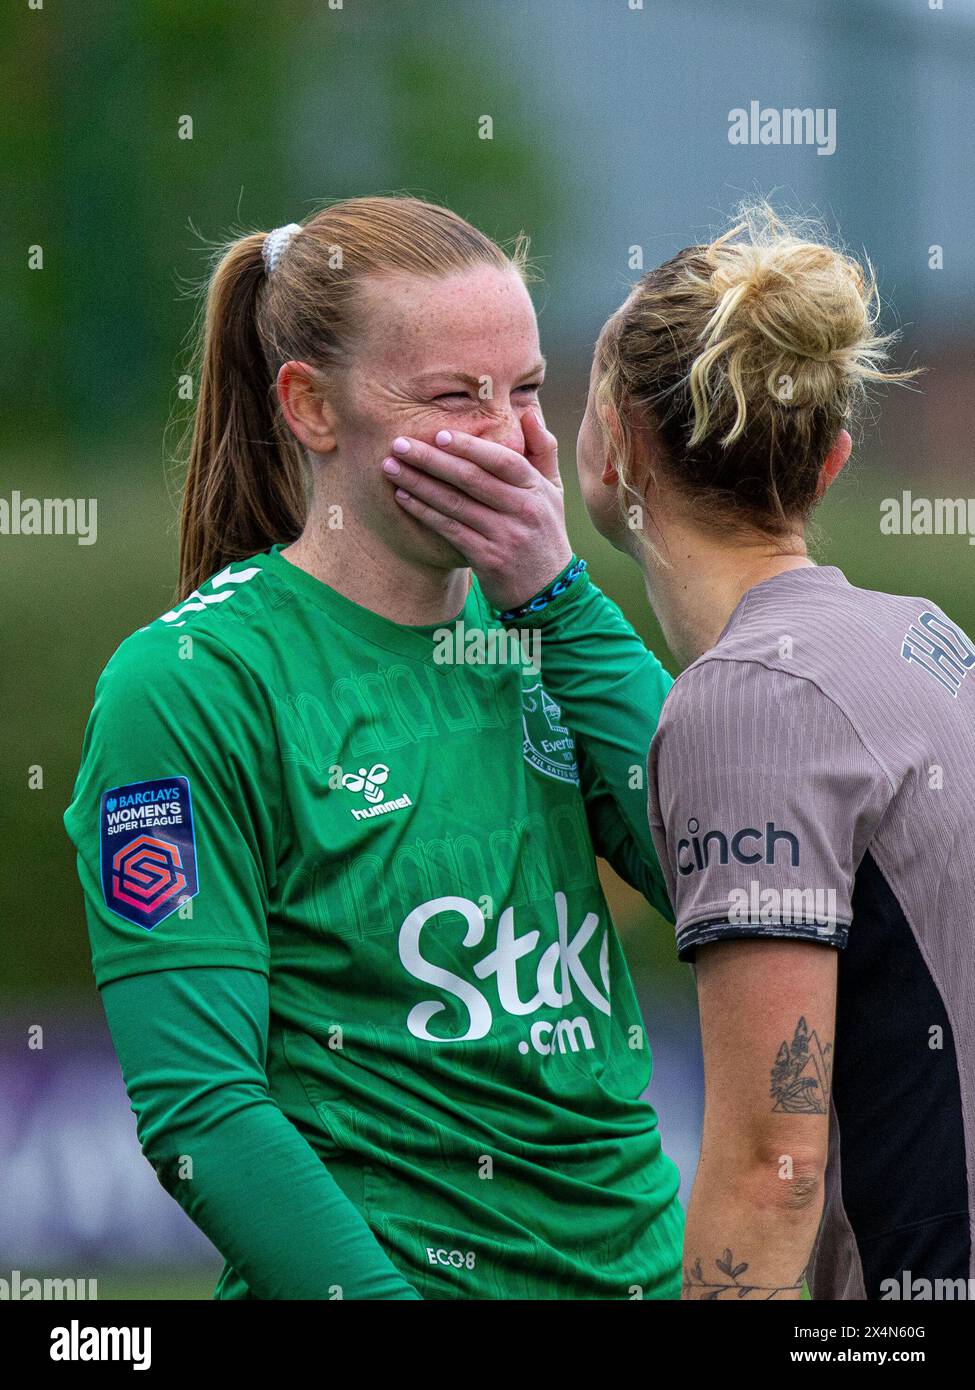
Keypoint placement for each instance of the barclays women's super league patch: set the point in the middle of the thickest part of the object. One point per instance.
(148, 849)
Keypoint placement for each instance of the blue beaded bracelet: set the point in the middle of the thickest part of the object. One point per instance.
(546, 596)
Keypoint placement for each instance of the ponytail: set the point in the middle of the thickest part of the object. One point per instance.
(244, 484)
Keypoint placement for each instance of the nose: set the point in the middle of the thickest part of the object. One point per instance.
(503, 426)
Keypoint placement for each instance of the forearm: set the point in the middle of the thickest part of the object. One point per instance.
(191, 1044)
(615, 841)
(610, 689)
(750, 1235)
(257, 1190)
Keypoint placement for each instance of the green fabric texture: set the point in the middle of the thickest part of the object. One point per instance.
(397, 828)
(192, 1044)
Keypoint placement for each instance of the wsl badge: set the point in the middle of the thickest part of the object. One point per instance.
(148, 849)
(548, 744)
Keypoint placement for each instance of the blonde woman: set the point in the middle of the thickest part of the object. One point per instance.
(338, 860)
(812, 778)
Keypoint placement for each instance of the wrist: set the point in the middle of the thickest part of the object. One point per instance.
(569, 575)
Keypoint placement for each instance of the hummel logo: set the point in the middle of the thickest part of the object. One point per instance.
(369, 782)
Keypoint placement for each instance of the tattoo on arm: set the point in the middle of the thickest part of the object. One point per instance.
(802, 1074)
(729, 1280)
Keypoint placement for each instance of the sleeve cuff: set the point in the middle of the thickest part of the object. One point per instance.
(697, 934)
(572, 580)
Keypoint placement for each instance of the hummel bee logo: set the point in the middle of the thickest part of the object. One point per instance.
(370, 783)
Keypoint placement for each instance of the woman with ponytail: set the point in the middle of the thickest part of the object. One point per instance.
(811, 780)
(339, 860)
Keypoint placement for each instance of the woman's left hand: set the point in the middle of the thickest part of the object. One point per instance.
(502, 510)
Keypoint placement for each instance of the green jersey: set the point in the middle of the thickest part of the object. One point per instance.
(396, 826)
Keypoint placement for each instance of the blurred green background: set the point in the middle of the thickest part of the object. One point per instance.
(610, 133)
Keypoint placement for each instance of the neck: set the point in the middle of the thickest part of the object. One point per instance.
(365, 569)
(697, 591)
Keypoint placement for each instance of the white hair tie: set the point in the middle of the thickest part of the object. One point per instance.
(275, 243)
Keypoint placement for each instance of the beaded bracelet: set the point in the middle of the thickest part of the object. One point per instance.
(546, 596)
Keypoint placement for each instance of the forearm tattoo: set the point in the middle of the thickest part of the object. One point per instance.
(730, 1279)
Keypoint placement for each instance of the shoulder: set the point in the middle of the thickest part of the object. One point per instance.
(720, 689)
(190, 675)
(226, 601)
(803, 644)
(166, 663)
(737, 720)
(811, 651)
(723, 715)
(212, 636)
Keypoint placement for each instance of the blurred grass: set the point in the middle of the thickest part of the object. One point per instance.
(149, 1284)
(65, 609)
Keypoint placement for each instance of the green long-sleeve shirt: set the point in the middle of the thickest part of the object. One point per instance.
(357, 963)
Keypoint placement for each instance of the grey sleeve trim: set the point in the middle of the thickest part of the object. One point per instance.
(720, 929)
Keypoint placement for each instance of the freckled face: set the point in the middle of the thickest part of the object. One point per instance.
(458, 352)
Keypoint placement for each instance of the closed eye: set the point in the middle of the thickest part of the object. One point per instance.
(530, 388)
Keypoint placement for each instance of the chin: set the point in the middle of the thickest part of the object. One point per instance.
(621, 539)
(613, 528)
(427, 548)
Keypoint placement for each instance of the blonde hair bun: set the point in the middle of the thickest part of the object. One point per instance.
(736, 364)
(792, 318)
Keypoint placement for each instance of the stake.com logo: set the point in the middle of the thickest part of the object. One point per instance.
(562, 957)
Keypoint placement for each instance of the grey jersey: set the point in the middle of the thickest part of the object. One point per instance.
(813, 777)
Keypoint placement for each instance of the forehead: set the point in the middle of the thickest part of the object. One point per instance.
(456, 321)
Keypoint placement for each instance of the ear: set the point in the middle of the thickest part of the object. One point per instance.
(835, 459)
(609, 476)
(310, 417)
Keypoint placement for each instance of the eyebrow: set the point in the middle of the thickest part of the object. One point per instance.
(449, 374)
